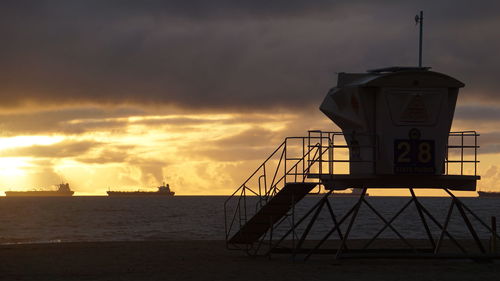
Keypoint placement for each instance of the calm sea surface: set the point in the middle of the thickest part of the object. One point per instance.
(31, 220)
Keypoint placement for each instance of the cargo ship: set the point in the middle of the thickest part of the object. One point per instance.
(163, 190)
(488, 194)
(62, 191)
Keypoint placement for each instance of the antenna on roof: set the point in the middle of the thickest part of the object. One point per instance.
(419, 19)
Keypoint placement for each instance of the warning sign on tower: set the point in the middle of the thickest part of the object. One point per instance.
(415, 110)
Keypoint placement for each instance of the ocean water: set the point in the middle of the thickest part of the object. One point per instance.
(76, 219)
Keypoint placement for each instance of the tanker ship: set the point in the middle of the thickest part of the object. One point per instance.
(163, 190)
(62, 191)
(488, 194)
(355, 192)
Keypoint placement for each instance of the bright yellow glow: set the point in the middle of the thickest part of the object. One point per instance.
(23, 141)
(12, 171)
(12, 166)
(205, 154)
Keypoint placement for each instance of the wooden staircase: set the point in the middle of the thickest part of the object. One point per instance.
(272, 212)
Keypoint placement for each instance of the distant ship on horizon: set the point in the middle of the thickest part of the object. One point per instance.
(163, 190)
(355, 192)
(488, 193)
(62, 191)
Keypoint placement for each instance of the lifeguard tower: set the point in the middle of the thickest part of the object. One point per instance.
(396, 122)
(395, 126)
(395, 133)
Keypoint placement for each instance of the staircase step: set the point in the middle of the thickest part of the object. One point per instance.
(272, 212)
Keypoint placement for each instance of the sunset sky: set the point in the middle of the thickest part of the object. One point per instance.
(127, 94)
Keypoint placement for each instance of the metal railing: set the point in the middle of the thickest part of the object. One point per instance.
(463, 145)
(265, 182)
(292, 161)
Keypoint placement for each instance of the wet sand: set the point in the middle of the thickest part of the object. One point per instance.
(210, 260)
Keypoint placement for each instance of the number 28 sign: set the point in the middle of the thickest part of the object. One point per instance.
(414, 156)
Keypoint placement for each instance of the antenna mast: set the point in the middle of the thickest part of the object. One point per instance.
(419, 19)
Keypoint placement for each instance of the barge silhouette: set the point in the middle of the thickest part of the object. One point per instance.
(163, 190)
(62, 191)
(488, 194)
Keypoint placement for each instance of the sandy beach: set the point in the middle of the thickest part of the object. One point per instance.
(210, 260)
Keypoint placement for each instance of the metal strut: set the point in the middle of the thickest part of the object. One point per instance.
(422, 218)
(351, 223)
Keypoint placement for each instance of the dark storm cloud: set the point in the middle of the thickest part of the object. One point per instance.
(250, 137)
(151, 169)
(62, 121)
(490, 143)
(116, 154)
(81, 120)
(59, 150)
(229, 54)
(483, 113)
(229, 154)
(245, 145)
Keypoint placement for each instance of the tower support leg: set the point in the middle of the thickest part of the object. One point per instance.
(351, 223)
(422, 218)
(467, 222)
(445, 226)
